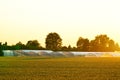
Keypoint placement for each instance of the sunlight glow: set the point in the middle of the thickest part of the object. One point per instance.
(23, 20)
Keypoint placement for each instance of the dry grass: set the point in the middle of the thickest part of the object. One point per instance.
(46, 68)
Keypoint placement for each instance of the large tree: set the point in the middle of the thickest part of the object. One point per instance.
(102, 43)
(83, 44)
(20, 45)
(53, 41)
(111, 45)
(33, 44)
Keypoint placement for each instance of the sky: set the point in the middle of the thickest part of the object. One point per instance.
(23, 20)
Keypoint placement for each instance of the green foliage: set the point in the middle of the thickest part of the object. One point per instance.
(68, 48)
(1, 53)
(33, 44)
(53, 41)
(20, 45)
(83, 44)
(102, 43)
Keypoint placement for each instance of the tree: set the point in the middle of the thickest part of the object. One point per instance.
(53, 41)
(102, 43)
(5, 44)
(93, 46)
(64, 48)
(20, 45)
(83, 44)
(1, 53)
(69, 48)
(111, 45)
(33, 44)
(117, 47)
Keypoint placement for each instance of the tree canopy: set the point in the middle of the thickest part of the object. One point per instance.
(33, 44)
(83, 44)
(102, 43)
(53, 41)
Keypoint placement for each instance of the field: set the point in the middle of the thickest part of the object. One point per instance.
(51, 68)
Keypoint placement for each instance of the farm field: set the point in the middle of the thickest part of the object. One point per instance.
(59, 68)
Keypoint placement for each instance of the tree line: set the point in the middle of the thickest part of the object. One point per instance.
(53, 41)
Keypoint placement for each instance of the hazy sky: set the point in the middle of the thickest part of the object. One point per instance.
(23, 20)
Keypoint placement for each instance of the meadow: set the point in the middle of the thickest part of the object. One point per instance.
(59, 68)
